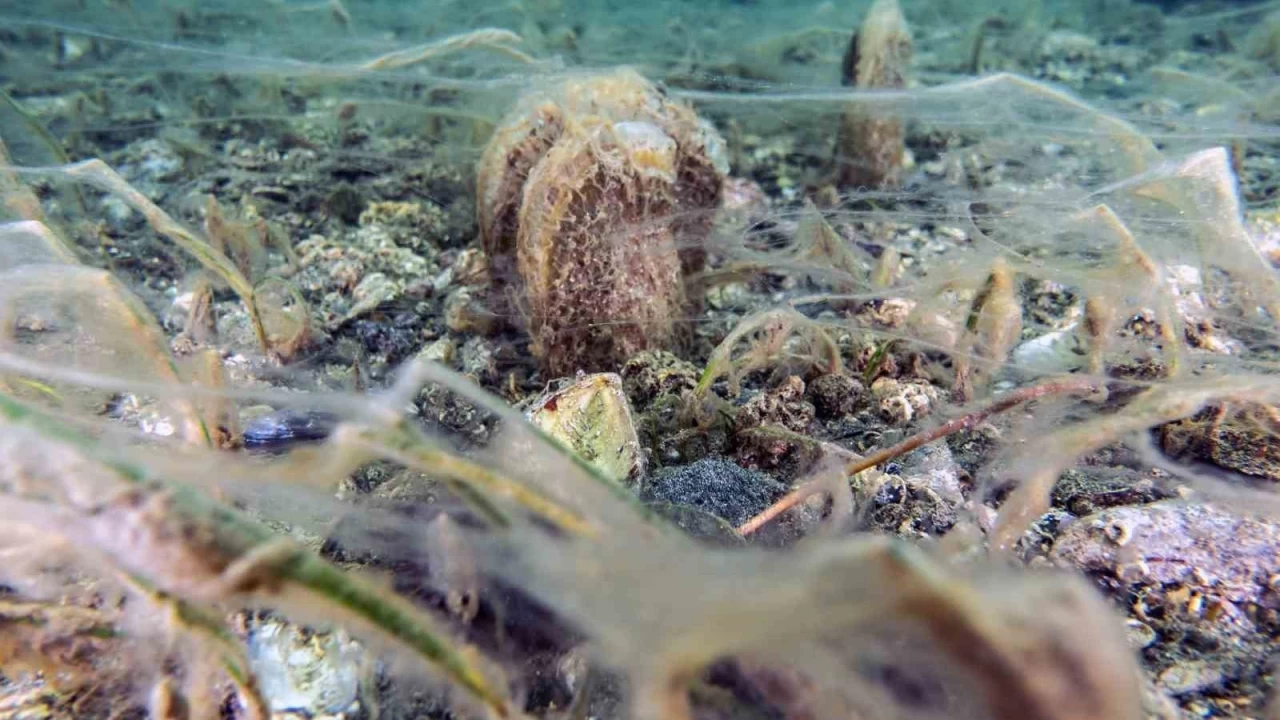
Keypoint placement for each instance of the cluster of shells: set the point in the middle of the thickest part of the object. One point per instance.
(595, 197)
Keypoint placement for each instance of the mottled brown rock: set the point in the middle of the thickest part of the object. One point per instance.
(784, 405)
(771, 430)
(835, 395)
(1243, 438)
(654, 373)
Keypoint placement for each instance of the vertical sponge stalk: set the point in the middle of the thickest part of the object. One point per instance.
(870, 146)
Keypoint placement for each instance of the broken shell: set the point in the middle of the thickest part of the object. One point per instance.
(464, 314)
(1056, 352)
(592, 417)
(1139, 634)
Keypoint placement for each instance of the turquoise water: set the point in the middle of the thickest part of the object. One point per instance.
(843, 246)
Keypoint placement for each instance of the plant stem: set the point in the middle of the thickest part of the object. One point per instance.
(964, 422)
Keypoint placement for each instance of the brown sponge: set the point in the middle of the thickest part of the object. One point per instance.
(594, 200)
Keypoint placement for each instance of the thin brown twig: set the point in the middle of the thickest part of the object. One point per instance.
(964, 422)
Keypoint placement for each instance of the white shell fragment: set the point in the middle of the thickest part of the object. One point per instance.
(1052, 353)
(317, 674)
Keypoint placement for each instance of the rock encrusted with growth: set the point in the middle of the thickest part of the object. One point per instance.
(1227, 555)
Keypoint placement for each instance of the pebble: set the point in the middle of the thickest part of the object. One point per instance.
(443, 351)
(159, 163)
(1139, 634)
(1189, 677)
(715, 486)
(281, 429)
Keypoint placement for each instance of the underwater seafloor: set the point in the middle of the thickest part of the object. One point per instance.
(1075, 204)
